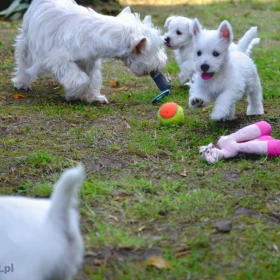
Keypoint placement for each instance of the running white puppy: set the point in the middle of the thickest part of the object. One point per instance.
(40, 238)
(222, 75)
(68, 41)
(179, 38)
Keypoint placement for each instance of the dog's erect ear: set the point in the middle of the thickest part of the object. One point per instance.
(188, 26)
(167, 22)
(139, 46)
(225, 31)
(126, 10)
(195, 27)
(147, 20)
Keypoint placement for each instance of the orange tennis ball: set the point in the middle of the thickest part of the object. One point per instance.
(171, 113)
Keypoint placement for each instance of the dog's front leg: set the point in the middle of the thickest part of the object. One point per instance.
(92, 93)
(199, 96)
(186, 72)
(73, 79)
(224, 107)
(255, 98)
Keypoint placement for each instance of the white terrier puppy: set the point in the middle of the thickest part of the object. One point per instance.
(68, 41)
(179, 38)
(222, 75)
(40, 238)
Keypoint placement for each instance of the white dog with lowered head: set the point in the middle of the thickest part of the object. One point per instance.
(179, 38)
(222, 75)
(68, 41)
(40, 238)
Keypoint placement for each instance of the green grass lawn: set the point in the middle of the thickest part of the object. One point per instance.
(148, 193)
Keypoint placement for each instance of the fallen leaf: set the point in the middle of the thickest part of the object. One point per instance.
(114, 218)
(114, 84)
(158, 262)
(183, 173)
(141, 228)
(18, 96)
(73, 125)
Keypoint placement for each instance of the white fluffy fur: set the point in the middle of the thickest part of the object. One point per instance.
(41, 237)
(68, 41)
(233, 74)
(247, 42)
(179, 38)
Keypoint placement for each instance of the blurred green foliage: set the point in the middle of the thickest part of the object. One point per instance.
(14, 10)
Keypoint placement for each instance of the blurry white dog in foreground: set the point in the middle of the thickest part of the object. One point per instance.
(68, 41)
(221, 74)
(40, 239)
(179, 38)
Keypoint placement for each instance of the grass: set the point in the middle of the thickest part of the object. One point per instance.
(147, 191)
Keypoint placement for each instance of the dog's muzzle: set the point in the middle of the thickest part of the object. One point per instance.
(204, 67)
(167, 41)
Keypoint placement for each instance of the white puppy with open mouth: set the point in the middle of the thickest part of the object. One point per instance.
(222, 75)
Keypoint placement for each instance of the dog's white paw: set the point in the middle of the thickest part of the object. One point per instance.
(196, 102)
(22, 86)
(183, 78)
(255, 110)
(221, 116)
(90, 97)
(101, 99)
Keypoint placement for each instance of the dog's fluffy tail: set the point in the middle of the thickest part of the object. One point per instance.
(253, 43)
(248, 41)
(64, 195)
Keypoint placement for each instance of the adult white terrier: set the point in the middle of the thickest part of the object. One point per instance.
(40, 238)
(222, 75)
(179, 38)
(68, 41)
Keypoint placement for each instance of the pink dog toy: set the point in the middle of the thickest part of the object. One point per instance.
(252, 139)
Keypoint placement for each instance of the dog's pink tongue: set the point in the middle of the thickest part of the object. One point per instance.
(206, 76)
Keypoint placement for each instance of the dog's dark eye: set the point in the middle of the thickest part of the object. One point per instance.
(216, 54)
(178, 32)
(199, 53)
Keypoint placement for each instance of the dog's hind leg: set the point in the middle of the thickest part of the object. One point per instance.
(70, 75)
(22, 79)
(255, 98)
(92, 93)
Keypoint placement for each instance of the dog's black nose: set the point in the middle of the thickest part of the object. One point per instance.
(167, 40)
(204, 67)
